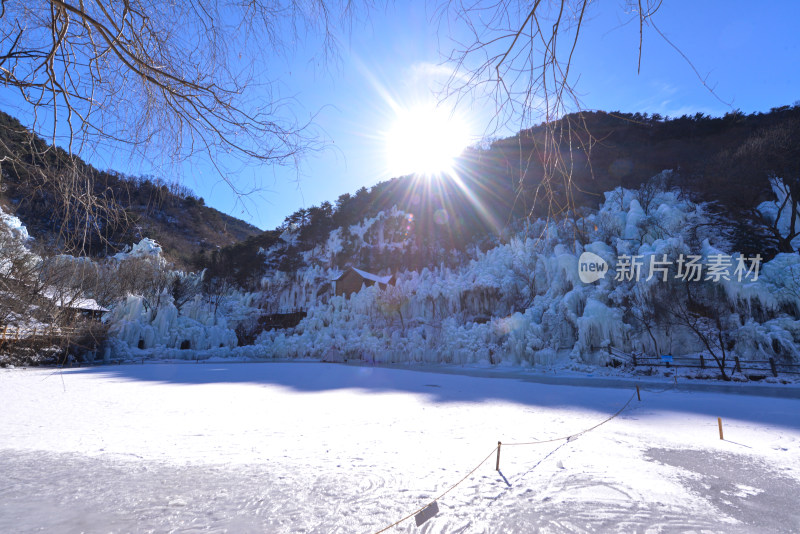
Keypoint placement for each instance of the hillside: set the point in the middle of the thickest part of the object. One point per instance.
(129, 208)
(521, 302)
(724, 161)
(480, 278)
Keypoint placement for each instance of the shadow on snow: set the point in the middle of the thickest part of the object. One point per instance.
(443, 384)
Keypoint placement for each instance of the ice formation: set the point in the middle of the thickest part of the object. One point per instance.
(520, 303)
(144, 248)
(14, 226)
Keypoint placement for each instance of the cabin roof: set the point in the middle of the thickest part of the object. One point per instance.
(73, 303)
(368, 276)
(85, 304)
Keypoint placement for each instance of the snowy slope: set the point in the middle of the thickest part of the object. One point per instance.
(522, 303)
(519, 304)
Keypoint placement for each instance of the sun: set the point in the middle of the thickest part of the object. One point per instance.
(425, 140)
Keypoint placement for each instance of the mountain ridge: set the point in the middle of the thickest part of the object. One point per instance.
(143, 206)
(724, 161)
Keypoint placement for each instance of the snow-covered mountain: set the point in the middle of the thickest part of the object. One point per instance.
(519, 303)
(701, 261)
(523, 303)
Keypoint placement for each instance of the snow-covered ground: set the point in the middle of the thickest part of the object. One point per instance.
(311, 447)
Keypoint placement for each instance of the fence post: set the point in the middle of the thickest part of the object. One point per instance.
(497, 466)
(702, 362)
(719, 422)
(633, 355)
(773, 367)
(638, 394)
(738, 365)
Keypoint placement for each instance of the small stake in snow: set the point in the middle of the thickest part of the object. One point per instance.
(639, 395)
(719, 422)
(497, 467)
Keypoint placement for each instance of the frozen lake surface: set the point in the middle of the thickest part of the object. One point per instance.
(305, 447)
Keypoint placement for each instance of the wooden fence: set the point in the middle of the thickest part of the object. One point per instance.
(40, 336)
(750, 368)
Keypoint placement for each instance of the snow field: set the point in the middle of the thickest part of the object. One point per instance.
(308, 447)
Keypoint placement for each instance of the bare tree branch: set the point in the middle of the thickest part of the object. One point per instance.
(165, 81)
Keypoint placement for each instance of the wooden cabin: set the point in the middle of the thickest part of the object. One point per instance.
(75, 305)
(353, 279)
(88, 308)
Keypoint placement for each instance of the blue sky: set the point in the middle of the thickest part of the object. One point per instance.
(750, 55)
(749, 52)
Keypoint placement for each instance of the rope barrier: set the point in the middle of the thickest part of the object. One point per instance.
(657, 391)
(451, 488)
(575, 435)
